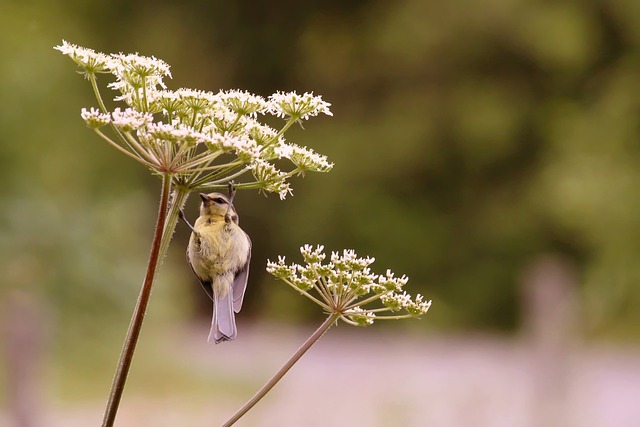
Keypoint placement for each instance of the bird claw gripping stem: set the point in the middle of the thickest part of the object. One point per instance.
(232, 194)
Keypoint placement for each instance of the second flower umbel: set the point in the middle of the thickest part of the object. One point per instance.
(346, 287)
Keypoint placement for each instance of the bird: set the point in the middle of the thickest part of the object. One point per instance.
(219, 253)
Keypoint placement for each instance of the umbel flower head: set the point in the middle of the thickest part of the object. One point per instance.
(202, 139)
(346, 286)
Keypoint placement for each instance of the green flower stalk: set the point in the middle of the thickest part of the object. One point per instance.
(345, 289)
(195, 141)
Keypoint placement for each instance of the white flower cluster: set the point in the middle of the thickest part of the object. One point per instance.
(270, 178)
(138, 71)
(94, 118)
(346, 286)
(88, 59)
(291, 104)
(130, 119)
(244, 103)
(360, 316)
(192, 133)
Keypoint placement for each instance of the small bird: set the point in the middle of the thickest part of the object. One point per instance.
(219, 252)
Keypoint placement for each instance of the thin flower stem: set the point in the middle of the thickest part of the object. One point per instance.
(286, 127)
(129, 346)
(214, 167)
(179, 155)
(334, 290)
(128, 146)
(210, 176)
(351, 293)
(400, 316)
(205, 157)
(222, 182)
(378, 310)
(366, 301)
(157, 152)
(144, 93)
(247, 185)
(135, 146)
(308, 295)
(123, 150)
(230, 177)
(338, 291)
(236, 121)
(285, 368)
(94, 84)
(96, 91)
(291, 173)
(321, 287)
(349, 321)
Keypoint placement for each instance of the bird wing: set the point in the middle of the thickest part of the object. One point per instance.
(240, 281)
(206, 285)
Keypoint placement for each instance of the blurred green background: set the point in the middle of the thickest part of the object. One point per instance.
(469, 139)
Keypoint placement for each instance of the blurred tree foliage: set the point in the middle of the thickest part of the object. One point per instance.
(468, 136)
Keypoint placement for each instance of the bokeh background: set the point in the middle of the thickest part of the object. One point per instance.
(488, 149)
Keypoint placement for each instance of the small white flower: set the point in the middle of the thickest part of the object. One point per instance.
(361, 317)
(88, 59)
(405, 299)
(140, 71)
(246, 149)
(270, 142)
(130, 119)
(197, 100)
(307, 159)
(262, 134)
(270, 178)
(168, 101)
(94, 118)
(283, 151)
(283, 190)
(419, 307)
(297, 106)
(243, 103)
(391, 282)
(226, 121)
(311, 255)
(364, 279)
(280, 269)
(174, 134)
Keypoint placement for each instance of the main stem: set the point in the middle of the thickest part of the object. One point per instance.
(137, 318)
(278, 376)
(178, 199)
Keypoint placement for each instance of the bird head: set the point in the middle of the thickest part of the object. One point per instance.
(217, 204)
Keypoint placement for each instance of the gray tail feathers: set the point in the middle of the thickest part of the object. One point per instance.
(223, 325)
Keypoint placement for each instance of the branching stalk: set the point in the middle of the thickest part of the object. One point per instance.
(285, 368)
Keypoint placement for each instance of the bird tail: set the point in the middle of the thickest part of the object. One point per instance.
(223, 324)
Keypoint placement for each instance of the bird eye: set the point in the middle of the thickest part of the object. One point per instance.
(219, 200)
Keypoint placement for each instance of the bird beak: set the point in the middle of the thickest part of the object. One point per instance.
(204, 197)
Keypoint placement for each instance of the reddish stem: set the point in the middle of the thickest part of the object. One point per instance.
(129, 346)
